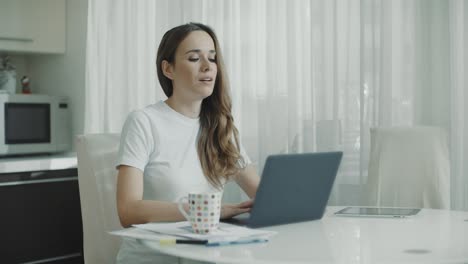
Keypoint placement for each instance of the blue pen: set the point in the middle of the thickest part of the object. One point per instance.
(235, 242)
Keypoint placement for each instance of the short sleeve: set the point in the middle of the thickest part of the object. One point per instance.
(136, 141)
(244, 161)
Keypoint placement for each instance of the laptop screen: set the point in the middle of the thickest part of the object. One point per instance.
(294, 188)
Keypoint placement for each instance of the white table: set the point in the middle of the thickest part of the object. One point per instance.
(432, 236)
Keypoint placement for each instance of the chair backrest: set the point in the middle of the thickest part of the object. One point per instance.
(97, 175)
(409, 167)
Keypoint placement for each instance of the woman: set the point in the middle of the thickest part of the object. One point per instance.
(187, 143)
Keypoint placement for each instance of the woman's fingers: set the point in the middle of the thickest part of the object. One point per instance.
(242, 210)
(246, 204)
(229, 211)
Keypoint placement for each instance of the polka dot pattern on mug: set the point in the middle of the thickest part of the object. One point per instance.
(205, 212)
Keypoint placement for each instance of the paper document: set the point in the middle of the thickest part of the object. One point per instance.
(138, 233)
(225, 232)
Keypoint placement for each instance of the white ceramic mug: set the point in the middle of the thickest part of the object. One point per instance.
(204, 211)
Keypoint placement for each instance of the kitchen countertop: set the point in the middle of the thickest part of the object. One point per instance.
(38, 162)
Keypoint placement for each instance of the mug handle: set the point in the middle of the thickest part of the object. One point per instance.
(181, 207)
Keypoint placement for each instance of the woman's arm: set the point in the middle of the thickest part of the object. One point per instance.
(248, 180)
(131, 207)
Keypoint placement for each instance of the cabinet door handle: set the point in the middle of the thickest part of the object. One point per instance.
(17, 39)
(14, 183)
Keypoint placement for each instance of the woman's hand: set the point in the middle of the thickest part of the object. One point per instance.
(231, 210)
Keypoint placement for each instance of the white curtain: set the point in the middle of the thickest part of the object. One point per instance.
(458, 41)
(306, 75)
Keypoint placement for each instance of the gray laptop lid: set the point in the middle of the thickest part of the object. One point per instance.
(294, 188)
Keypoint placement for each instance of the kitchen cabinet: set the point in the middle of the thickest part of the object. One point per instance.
(41, 213)
(32, 26)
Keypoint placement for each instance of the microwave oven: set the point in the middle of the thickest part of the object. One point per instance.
(32, 124)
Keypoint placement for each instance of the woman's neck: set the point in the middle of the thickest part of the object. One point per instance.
(189, 109)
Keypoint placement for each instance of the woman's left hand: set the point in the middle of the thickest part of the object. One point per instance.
(231, 210)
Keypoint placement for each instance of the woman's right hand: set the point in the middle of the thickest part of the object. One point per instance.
(231, 210)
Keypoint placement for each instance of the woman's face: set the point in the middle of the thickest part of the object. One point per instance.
(194, 70)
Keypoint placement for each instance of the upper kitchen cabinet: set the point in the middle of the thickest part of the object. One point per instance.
(35, 26)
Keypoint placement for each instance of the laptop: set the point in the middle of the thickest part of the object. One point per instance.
(293, 188)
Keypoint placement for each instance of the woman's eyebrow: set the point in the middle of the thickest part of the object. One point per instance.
(199, 51)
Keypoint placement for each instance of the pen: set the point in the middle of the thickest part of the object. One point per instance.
(171, 241)
(234, 242)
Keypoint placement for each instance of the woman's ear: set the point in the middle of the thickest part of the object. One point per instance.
(167, 69)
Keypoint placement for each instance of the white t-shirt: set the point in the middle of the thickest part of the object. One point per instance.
(163, 144)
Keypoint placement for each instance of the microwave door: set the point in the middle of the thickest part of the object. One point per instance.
(27, 127)
(27, 123)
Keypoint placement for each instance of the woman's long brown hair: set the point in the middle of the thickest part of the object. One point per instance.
(218, 141)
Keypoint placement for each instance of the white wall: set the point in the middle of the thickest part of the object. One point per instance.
(64, 75)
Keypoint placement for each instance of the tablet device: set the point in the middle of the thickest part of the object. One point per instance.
(377, 212)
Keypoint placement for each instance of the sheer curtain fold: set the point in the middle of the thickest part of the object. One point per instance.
(305, 75)
(458, 13)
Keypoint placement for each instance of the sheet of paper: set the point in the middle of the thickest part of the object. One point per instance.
(225, 232)
(140, 234)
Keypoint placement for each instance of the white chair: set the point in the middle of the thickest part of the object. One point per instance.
(409, 167)
(97, 177)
